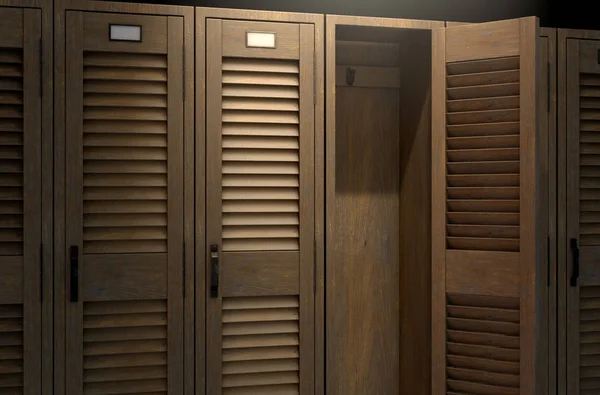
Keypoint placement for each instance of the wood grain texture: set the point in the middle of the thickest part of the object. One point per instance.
(362, 42)
(177, 26)
(272, 273)
(482, 41)
(489, 273)
(438, 214)
(27, 336)
(189, 195)
(213, 197)
(106, 278)
(572, 207)
(243, 205)
(548, 117)
(320, 223)
(307, 242)
(562, 247)
(533, 232)
(364, 276)
(198, 274)
(415, 212)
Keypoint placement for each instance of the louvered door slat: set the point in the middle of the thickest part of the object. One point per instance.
(583, 217)
(20, 201)
(486, 225)
(124, 163)
(259, 211)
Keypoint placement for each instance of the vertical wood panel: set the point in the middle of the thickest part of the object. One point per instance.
(175, 119)
(73, 194)
(32, 200)
(189, 172)
(438, 213)
(213, 198)
(307, 208)
(200, 258)
(531, 227)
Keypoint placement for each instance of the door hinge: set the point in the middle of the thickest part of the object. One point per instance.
(41, 272)
(314, 267)
(548, 259)
(549, 87)
(183, 70)
(184, 271)
(314, 78)
(41, 56)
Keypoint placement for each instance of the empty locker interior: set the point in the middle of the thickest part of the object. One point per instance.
(378, 290)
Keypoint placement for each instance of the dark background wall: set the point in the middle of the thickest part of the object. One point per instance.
(553, 13)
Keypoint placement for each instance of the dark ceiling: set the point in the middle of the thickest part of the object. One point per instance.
(553, 13)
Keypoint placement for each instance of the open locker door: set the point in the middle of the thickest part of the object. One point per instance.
(260, 207)
(583, 216)
(488, 232)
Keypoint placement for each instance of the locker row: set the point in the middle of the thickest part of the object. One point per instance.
(211, 201)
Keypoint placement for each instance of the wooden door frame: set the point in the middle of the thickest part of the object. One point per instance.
(202, 13)
(60, 251)
(564, 260)
(331, 23)
(47, 103)
(551, 164)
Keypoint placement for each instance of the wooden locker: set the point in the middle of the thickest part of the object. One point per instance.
(258, 74)
(492, 138)
(378, 267)
(25, 189)
(126, 95)
(579, 81)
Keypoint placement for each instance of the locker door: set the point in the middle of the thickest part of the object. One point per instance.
(124, 201)
(260, 207)
(20, 201)
(489, 236)
(583, 216)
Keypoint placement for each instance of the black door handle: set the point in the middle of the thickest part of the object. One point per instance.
(74, 273)
(214, 273)
(575, 251)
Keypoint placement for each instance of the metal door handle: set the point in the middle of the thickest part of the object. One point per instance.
(74, 273)
(214, 275)
(575, 251)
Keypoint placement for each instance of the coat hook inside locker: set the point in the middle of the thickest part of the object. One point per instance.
(350, 73)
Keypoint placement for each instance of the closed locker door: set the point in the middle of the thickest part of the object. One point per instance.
(260, 207)
(583, 216)
(489, 232)
(20, 201)
(124, 203)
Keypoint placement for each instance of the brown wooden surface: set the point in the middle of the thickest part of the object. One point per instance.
(532, 225)
(249, 270)
(199, 197)
(492, 47)
(415, 212)
(347, 108)
(30, 302)
(548, 126)
(364, 276)
(438, 214)
(482, 41)
(176, 279)
(577, 128)
(567, 365)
